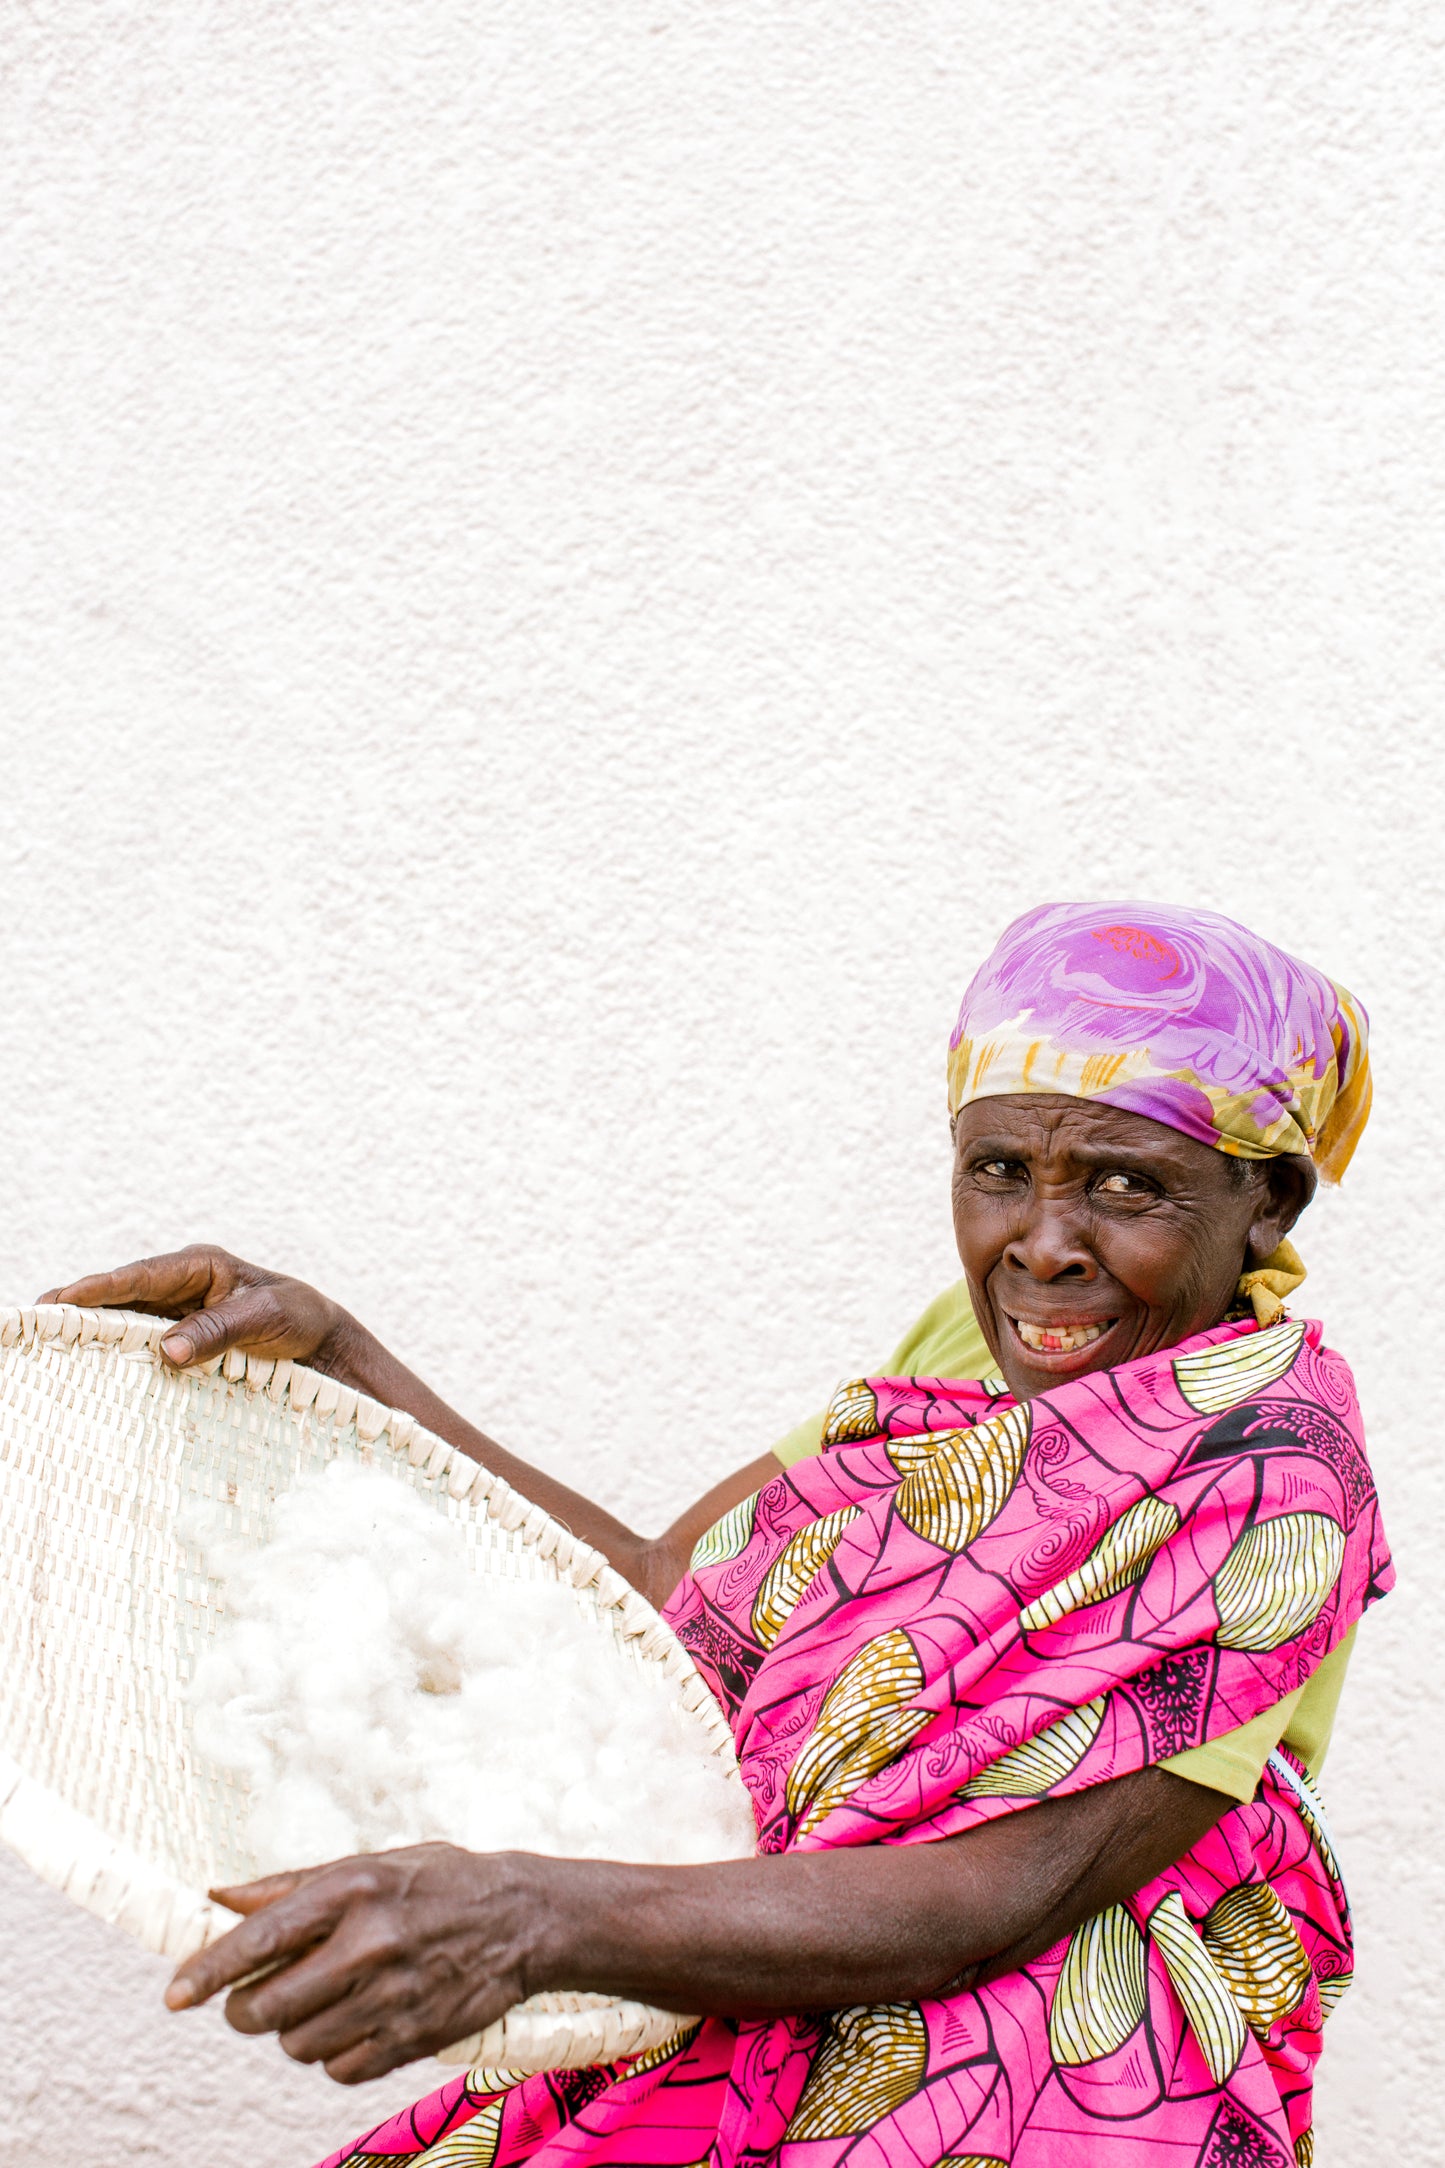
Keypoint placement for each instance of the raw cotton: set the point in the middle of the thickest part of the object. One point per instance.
(374, 1690)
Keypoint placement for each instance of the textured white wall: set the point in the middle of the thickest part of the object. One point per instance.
(564, 570)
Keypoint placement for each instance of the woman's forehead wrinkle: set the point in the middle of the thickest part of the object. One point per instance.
(1091, 1134)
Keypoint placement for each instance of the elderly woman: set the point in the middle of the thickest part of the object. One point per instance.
(1028, 1671)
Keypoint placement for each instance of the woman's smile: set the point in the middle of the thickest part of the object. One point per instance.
(1060, 1336)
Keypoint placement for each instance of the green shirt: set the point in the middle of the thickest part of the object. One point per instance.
(946, 1343)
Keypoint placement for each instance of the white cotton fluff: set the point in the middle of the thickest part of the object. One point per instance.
(374, 1690)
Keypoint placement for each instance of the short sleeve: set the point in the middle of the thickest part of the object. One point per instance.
(1234, 1762)
(945, 1342)
(804, 1438)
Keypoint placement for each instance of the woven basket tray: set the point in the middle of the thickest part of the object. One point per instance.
(103, 1608)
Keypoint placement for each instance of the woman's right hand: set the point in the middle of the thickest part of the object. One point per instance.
(221, 1302)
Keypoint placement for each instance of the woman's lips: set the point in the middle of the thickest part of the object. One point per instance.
(1060, 1338)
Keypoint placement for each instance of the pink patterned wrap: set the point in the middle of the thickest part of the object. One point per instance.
(964, 1605)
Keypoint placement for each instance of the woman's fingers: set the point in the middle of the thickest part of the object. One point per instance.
(368, 2059)
(377, 2022)
(270, 1936)
(248, 1318)
(337, 2004)
(370, 1962)
(249, 1897)
(165, 1284)
(330, 1994)
(362, 1978)
(321, 1979)
(219, 1302)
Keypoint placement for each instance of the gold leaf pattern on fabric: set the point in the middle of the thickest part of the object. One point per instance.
(953, 1488)
(972, 2160)
(872, 2059)
(471, 2145)
(726, 1538)
(486, 2079)
(909, 1454)
(654, 2058)
(852, 1414)
(1333, 1990)
(1223, 1376)
(889, 1736)
(1214, 2016)
(793, 1570)
(1120, 1557)
(1304, 2149)
(862, 1724)
(1276, 1578)
(1101, 1991)
(1030, 1769)
(1253, 1941)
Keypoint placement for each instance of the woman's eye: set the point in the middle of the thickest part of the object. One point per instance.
(1121, 1185)
(999, 1167)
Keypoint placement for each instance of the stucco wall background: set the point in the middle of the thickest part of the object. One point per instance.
(564, 570)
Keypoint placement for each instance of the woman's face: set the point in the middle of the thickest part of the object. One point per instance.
(1090, 1236)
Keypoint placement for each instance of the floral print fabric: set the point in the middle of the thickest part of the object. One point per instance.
(1182, 1016)
(962, 1606)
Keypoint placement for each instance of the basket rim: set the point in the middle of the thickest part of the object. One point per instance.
(379, 1426)
(74, 1854)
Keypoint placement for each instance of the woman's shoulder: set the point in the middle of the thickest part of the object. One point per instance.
(944, 1341)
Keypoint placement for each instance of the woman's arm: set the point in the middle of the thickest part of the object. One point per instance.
(394, 1956)
(221, 1302)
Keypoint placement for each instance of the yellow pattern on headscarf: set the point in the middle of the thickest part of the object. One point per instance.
(1344, 1125)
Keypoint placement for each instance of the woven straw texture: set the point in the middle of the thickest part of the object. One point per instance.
(104, 1449)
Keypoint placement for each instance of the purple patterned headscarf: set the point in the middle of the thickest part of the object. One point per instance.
(1180, 1015)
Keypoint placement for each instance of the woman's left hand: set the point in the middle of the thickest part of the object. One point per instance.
(374, 1961)
(371, 1962)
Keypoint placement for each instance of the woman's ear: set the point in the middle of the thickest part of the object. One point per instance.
(1289, 1184)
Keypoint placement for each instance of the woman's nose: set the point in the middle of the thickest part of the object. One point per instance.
(1049, 1244)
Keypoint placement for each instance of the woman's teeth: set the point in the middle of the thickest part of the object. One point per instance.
(1061, 1342)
